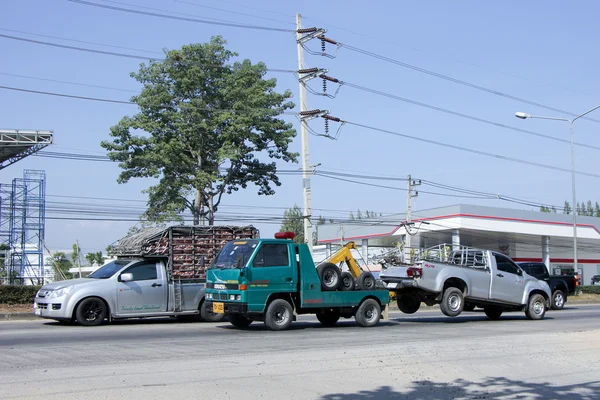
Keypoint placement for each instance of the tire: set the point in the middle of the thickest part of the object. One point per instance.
(366, 281)
(208, 315)
(348, 282)
(492, 313)
(330, 276)
(469, 307)
(368, 313)
(559, 298)
(408, 303)
(452, 302)
(279, 315)
(91, 312)
(329, 318)
(239, 321)
(536, 307)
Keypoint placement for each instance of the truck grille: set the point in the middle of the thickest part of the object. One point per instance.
(223, 296)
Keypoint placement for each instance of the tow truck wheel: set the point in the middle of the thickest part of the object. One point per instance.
(492, 313)
(452, 302)
(348, 282)
(239, 321)
(328, 318)
(279, 315)
(558, 299)
(368, 313)
(330, 275)
(366, 281)
(536, 307)
(408, 303)
(209, 316)
(91, 312)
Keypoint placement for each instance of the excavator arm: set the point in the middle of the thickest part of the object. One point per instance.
(345, 255)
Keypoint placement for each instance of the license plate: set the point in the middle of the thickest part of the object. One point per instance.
(392, 285)
(37, 311)
(218, 308)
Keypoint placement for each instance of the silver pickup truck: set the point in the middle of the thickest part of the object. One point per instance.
(464, 278)
(125, 288)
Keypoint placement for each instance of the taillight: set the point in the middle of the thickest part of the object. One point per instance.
(414, 272)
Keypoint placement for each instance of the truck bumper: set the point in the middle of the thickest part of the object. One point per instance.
(400, 283)
(230, 307)
(51, 309)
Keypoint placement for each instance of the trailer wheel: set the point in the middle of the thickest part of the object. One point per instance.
(279, 315)
(536, 307)
(452, 302)
(208, 315)
(408, 303)
(330, 276)
(91, 312)
(348, 282)
(492, 313)
(239, 321)
(328, 318)
(366, 281)
(558, 299)
(368, 313)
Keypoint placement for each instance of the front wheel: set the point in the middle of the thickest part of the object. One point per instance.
(329, 318)
(558, 299)
(536, 307)
(452, 302)
(239, 321)
(368, 313)
(208, 315)
(279, 315)
(91, 312)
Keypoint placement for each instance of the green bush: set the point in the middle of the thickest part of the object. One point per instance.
(17, 294)
(593, 289)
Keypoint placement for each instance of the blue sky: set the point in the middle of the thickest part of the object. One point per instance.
(542, 51)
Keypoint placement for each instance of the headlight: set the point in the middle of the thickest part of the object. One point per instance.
(209, 296)
(232, 297)
(60, 292)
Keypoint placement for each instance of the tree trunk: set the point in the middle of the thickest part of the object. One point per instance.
(211, 210)
(197, 207)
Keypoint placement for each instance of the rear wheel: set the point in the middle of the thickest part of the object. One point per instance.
(408, 303)
(328, 318)
(348, 282)
(368, 313)
(239, 321)
(366, 281)
(452, 302)
(330, 276)
(279, 315)
(536, 307)
(492, 313)
(91, 312)
(209, 316)
(559, 299)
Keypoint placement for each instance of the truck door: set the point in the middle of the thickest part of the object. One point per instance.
(272, 271)
(147, 293)
(507, 282)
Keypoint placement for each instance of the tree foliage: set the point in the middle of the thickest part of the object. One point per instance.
(293, 221)
(205, 127)
(61, 265)
(96, 258)
(584, 208)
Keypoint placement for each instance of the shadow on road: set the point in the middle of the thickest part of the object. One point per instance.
(464, 319)
(492, 388)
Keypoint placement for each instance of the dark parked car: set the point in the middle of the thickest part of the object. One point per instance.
(595, 280)
(561, 286)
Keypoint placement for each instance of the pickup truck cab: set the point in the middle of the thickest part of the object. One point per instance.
(125, 288)
(464, 278)
(561, 286)
(274, 280)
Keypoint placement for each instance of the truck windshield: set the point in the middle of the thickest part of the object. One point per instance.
(228, 256)
(108, 270)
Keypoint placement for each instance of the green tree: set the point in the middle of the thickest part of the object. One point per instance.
(544, 209)
(96, 257)
(3, 270)
(567, 208)
(202, 126)
(321, 220)
(61, 265)
(293, 221)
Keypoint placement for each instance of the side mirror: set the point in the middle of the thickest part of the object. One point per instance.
(520, 272)
(126, 277)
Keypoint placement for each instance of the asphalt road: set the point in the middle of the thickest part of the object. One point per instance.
(423, 356)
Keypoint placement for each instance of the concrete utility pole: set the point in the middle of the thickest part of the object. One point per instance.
(78, 257)
(307, 195)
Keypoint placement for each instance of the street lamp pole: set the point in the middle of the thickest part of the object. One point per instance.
(523, 115)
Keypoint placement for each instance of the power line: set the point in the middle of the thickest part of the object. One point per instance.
(473, 151)
(68, 83)
(187, 19)
(234, 12)
(458, 114)
(458, 81)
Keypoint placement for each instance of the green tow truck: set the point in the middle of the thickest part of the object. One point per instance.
(274, 280)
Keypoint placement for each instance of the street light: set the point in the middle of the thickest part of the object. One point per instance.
(523, 115)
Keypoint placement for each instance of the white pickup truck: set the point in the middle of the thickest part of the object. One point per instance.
(464, 278)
